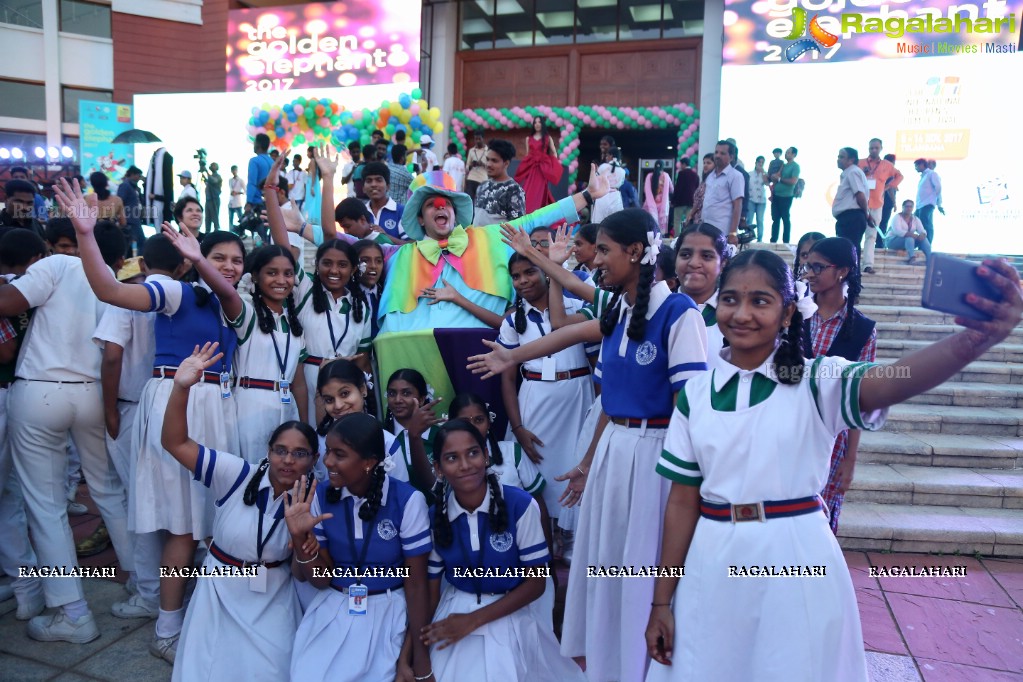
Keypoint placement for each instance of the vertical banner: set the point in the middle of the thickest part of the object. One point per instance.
(323, 45)
(99, 123)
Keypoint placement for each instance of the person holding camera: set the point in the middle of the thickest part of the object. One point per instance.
(214, 186)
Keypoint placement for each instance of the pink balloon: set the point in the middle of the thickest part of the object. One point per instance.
(414, 109)
(299, 110)
(648, 125)
(620, 125)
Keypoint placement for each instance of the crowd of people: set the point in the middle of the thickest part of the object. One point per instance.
(227, 407)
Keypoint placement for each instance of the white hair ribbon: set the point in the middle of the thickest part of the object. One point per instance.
(369, 380)
(804, 300)
(388, 464)
(363, 267)
(429, 393)
(246, 286)
(653, 240)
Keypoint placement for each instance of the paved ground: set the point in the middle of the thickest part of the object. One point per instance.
(963, 629)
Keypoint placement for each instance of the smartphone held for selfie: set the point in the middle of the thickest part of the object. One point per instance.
(949, 280)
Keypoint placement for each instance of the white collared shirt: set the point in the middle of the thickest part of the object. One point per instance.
(58, 345)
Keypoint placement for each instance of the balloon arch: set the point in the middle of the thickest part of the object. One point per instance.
(571, 120)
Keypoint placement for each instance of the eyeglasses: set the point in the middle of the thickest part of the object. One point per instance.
(280, 452)
(545, 243)
(818, 268)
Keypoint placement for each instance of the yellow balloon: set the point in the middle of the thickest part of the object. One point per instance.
(423, 105)
(438, 127)
(404, 115)
(435, 113)
(395, 108)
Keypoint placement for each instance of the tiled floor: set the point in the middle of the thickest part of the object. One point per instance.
(963, 629)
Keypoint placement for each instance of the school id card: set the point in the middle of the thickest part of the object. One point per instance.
(358, 600)
(285, 387)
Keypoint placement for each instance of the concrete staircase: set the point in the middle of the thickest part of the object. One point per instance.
(946, 473)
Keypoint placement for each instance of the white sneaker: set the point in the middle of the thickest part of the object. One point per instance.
(30, 607)
(165, 648)
(134, 607)
(59, 628)
(76, 509)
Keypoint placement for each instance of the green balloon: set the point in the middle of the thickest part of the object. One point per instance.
(417, 93)
(300, 139)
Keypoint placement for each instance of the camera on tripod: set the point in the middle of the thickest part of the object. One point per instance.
(200, 155)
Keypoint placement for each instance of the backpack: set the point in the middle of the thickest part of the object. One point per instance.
(797, 192)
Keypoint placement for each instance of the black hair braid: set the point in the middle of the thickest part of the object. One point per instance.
(359, 302)
(293, 322)
(498, 507)
(442, 535)
(202, 295)
(324, 426)
(520, 315)
(637, 325)
(610, 317)
(852, 297)
(252, 489)
(496, 456)
(389, 422)
(788, 359)
(334, 496)
(319, 294)
(264, 317)
(368, 511)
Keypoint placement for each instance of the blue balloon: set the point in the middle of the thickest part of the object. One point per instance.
(287, 107)
(264, 116)
(292, 116)
(280, 131)
(400, 126)
(405, 101)
(415, 122)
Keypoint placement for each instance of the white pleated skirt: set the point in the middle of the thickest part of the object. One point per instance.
(259, 413)
(554, 411)
(165, 496)
(619, 524)
(569, 518)
(515, 648)
(332, 645)
(233, 633)
(769, 629)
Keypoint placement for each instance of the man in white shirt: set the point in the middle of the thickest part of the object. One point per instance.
(296, 181)
(722, 199)
(187, 188)
(850, 205)
(56, 393)
(236, 186)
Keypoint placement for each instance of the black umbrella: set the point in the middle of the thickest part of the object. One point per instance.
(135, 136)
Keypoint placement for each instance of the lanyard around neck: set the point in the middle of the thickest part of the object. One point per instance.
(281, 362)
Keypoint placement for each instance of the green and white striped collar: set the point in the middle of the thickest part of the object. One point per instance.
(724, 370)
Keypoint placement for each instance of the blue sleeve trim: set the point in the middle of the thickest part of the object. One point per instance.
(415, 538)
(688, 367)
(241, 477)
(199, 462)
(535, 548)
(209, 470)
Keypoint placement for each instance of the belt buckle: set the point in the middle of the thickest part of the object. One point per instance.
(748, 512)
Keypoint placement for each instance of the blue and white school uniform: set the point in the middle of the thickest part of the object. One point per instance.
(775, 628)
(165, 496)
(331, 643)
(552, 404)
(403, 452)
(516, 647)
(235, 628)
(622, 514)
(708, 310)
(262, 362)
(328, 335)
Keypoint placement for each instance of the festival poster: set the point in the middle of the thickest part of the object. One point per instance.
(99, 123)
(323, 45)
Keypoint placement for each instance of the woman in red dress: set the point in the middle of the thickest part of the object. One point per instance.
(540, 167)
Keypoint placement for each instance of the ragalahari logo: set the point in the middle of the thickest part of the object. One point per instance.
(817, 39)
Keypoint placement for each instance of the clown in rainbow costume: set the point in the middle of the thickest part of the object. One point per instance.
(448, 251)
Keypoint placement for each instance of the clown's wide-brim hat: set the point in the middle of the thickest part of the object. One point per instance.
(434, 184)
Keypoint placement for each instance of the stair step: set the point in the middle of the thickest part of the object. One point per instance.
(908, 315)
(896, 348)
(887, 289)
(921, 448)
(950, 419)
(928, 332)
(937, 486)
(972, 394)
(901, 300)
(924, 528)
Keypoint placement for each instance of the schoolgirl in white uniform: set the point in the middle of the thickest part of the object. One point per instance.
(165, 497)
(361, 520)
(411, 419)
(512, 467)
(794, 628)
(371, 277)
(701, 251)
(270, 341)
(334, 314)
(240, 627)
(655, 340)
(547, 414)
(484, 628)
